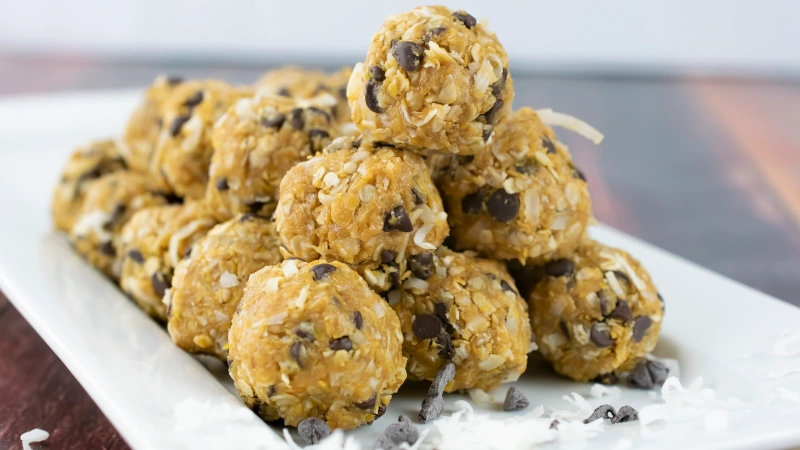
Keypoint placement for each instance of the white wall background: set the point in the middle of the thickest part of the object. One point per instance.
(718, 36)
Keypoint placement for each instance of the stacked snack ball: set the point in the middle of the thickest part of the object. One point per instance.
(300, 83)
(255, 143)
(521, 199)
(208, 284)
(432, 79)
(595, 313)
(183, 152)
(108, 203)
(153, 242)
(86, 164)
(312, 340)
(355, 203)
(145, 124)
(467, 310)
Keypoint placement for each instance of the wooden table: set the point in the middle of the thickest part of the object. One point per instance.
(707, 169)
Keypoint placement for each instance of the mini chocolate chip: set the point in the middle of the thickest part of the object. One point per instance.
(472, 203)
(371, 96)
(256, 408)
(640, 377)
(431, 409)
(579, 174)
(609, 378)
(465, 18)
(396, 434)
(397, 219)
(172, 80)
(297, 119)
(600, 338)
(357, 143)
(625, 414)
(318, 138)
(564, 329)
(303, 334)
(381, 144)
(622, 312)
(160, 283)
(507, 287)
(194, 100)
(418, 199)
(283, 92)
(440, 309)
(548, 144)
(605, 302)
(387, 256)
(446, 350)
(317, 133)
(499, 85)
(273, 122)
(295, 350)
(358, 319)
(445, 375)
(313, 430)
(559, 267)
(136, 255)
(427, 326)
(367, 404)
(554, 424)
(222, 184)
(177, 124)
(494, 112)
(465, 159)
(421, 265)
(602, 412)
(321, 271)
(515, 400)
(640, 327)
(377, 73)
(408, 55)
(320, 111)
(107, 248)
(658, 372)
(172, 199)
(621, 276)
(342, 343)
(255, 206)
(433, 32)
(503, 206)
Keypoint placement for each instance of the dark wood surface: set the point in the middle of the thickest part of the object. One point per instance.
(707, 169)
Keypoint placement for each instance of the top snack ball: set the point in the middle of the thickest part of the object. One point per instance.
(434, 79)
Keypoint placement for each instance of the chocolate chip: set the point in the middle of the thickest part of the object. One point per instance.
(433, 32)
(446, 350)
(515, 400)
(427, 326)
(600, 338)
(136, 255)
(472, 203)
(503, 206)
(609, 378)
(640, 376)
(418, 199)
(397, 219)
(465, 18)
(381, 411)
(177, 124)
(367, 404)
(625, 414)
(640, 327)
(554, 424)
(194, 100)
(160, 283)
(377, 73)
(283, 92)
(564, 329)
(172, 80)
(381, 144)
(371, 96)
(358, 320)
(318, 139)
(317, 133)
(601, 412)
(256, 408)
(433, 404)
(313, 430)
(255, 206)
(421, 265)
(357, 143)
(658, 372)
(297, 119)
(107, 248)
(605, 302)
(499, 85)
(303, 334)
(579, 174)
(548, 144)
(273, 122)
(342, 343)
(387, 256)
(559, 267)
(507, 287)
(295, 350)
(222, 184)
(440, 309)
(622, 312)
(321, 271)
(408, 55)
(494, 112)
(397, 434)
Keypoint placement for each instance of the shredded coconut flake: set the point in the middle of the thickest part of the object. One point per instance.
(421, 234)
(228, 280)
(599, 391)
(35, 435)
(684, 404)
(571, 123)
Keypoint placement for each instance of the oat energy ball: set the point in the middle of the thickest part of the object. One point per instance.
(87, 163)
(184, 149)
(432, 79)
(522, 199)
(297, 82)
(208, 284)
(153, 242)
(463, 309)
(353, 204)
(595, 313)
(145, 124)
(255, 143)
(108, 203)
(312, 340)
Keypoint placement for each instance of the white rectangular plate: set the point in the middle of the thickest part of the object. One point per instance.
(160, 397)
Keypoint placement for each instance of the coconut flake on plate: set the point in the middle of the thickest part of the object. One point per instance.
(34, 435)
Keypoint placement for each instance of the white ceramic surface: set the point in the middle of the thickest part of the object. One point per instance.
(714, 327)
